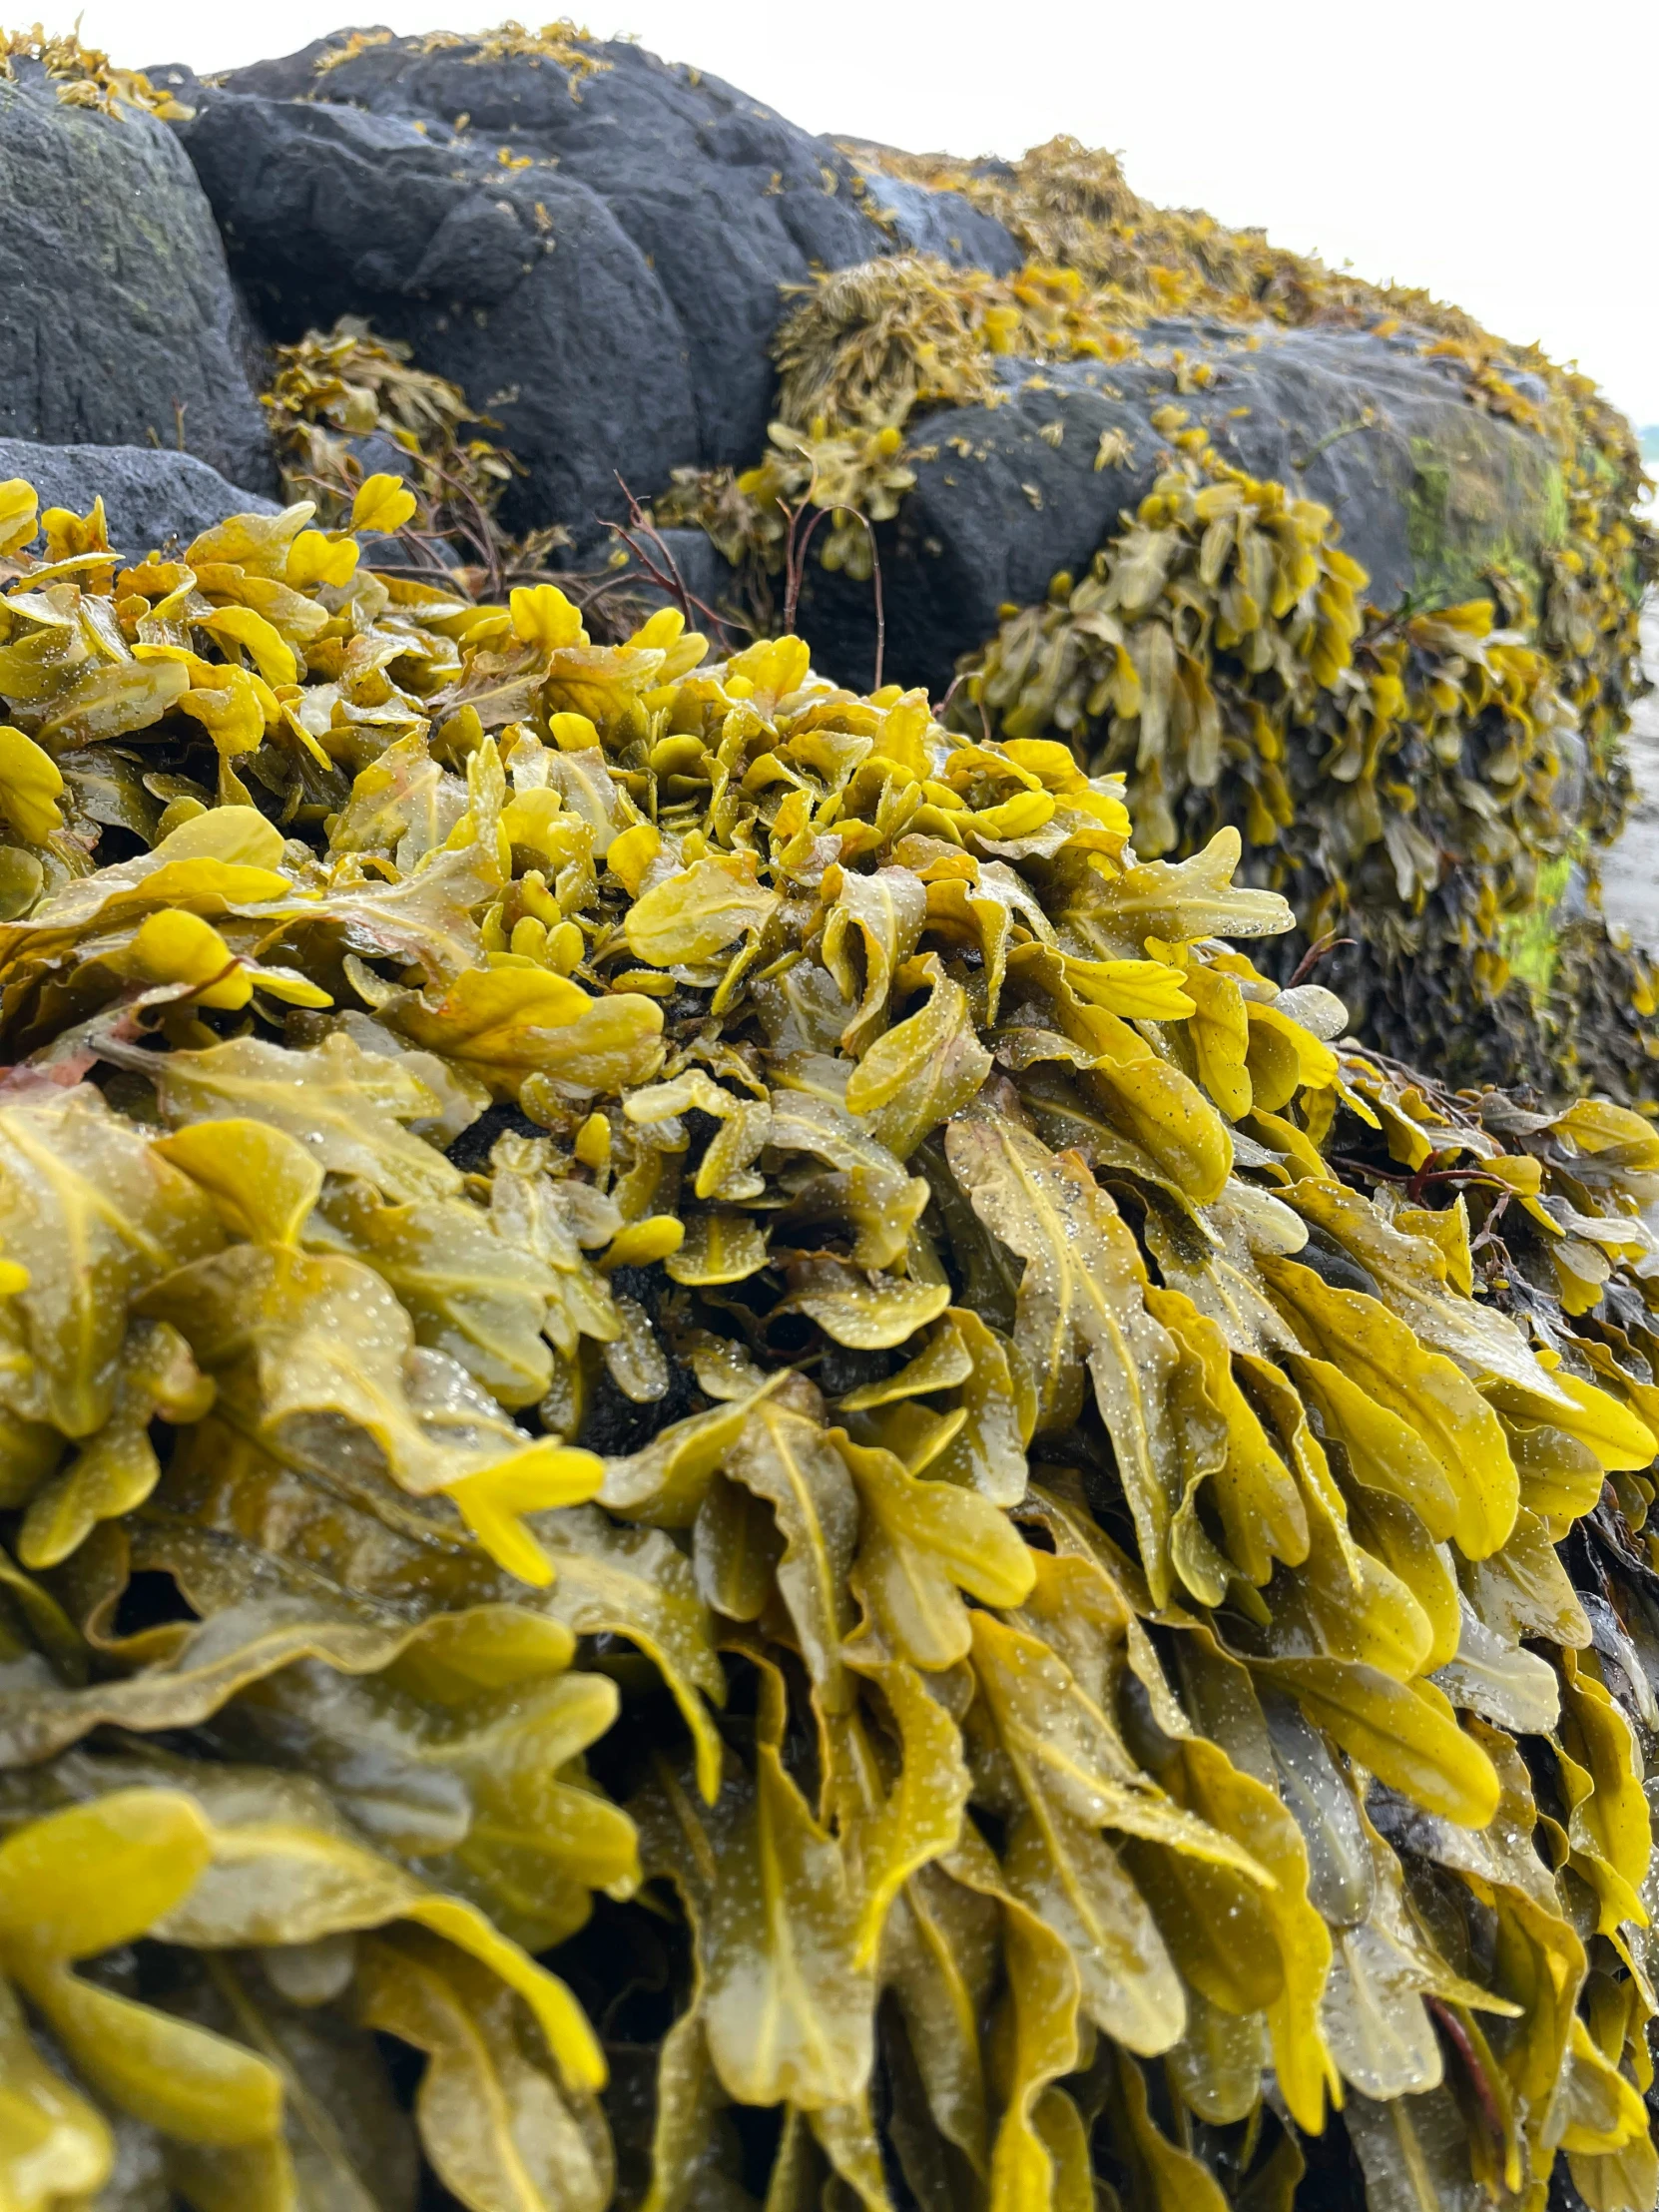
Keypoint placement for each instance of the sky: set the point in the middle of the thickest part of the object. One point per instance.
(1503, 156)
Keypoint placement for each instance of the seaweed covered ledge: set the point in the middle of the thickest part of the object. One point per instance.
(732, 1475)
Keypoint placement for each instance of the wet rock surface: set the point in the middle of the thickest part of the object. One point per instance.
(1426, 489)
(149, 496)
(946, 224)
(596, 258)
(121, 323)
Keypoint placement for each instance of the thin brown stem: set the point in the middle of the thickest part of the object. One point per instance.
(1319, 951)
(880, 609)
(667, 576)
(1489, 1234)
(1457, 2035)
(795, 568)
(1414, 1183)
(482, 530)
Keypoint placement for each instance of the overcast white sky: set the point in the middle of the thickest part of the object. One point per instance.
(1502, 153)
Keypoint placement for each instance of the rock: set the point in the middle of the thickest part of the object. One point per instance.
(596, 259)
(520, 286)
(1428, 489)
(378, 551)
(121, 322)
(946, 224)
(377, 454)
(706, 572)
(148, 496)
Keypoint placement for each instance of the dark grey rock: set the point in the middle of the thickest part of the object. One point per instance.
(148, 496)
(706, 572)
(378, 551)
(611, 304)
(289, 77)
(943, 222)
(518, 284)
(377, 454)
(177, 78)
(119, 322)
(1427, 489)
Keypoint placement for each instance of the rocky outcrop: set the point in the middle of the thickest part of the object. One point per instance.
(597, 249)
(120, 325)
(149, 497)
(594, 252)
(1428, 491)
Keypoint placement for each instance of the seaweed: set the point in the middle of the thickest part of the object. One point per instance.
(1412, 798)
(84, 76)
(1073, 1684)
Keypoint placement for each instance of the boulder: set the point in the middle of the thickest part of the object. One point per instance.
(121, 323)
(595, 258)
(148, 496)
(520, 286)
(1428, 489)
